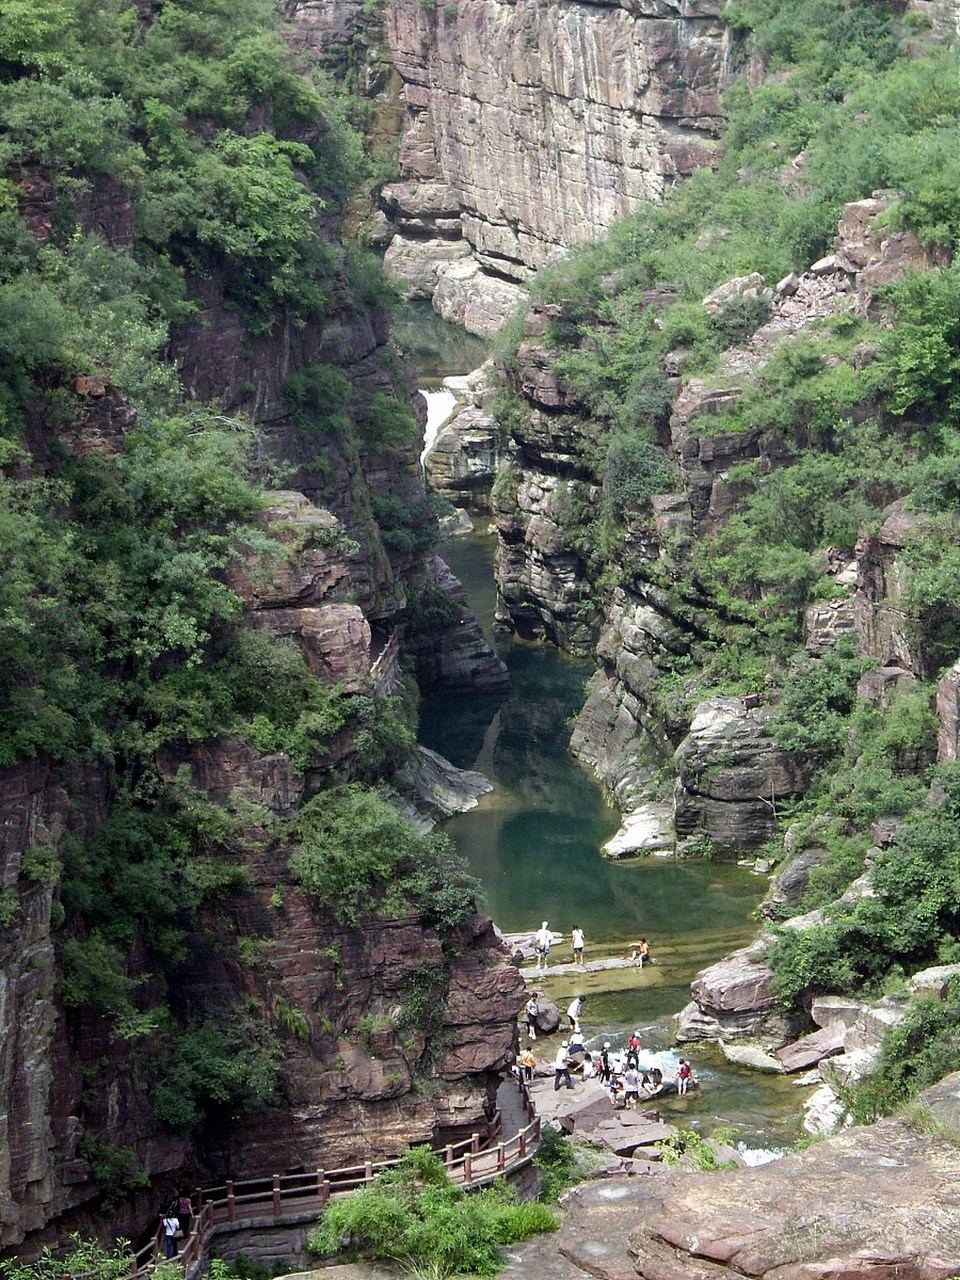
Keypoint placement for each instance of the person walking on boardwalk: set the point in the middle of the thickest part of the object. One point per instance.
(171, 1225)
(561, 1068)
(528, 1062)
(543, 941)
(576, 942)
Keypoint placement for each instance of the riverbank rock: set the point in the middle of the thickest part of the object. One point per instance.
(434, 789)
(733, 1000)
(872, 1203)
(648, 829)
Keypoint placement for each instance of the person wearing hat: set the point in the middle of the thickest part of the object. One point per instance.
(603, 1063)
(561, 1068)
(574, 1012)
(543, 941)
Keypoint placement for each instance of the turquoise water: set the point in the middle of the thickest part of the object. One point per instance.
(534, 844)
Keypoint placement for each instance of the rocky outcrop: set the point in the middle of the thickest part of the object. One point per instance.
(380, 1005)
(532, 127)
(874, 1202)
(450, 651)
(734, 1000)
(731, 774)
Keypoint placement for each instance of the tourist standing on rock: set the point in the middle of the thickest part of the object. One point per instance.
(531, 1013)
(631, 1087)
(603, 1068)
(576, 942)
(573, 1012)
(684, 1076)
(561, 1068)
(543, 946)
(633, 1050)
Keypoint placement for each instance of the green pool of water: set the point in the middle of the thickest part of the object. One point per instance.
(534, 844)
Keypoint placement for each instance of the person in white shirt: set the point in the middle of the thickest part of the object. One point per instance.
(544, 939)
(574, 1011)
(576, 942)
(561, 1068)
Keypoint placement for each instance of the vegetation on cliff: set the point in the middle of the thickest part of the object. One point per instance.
(153, 158)
(852, 414)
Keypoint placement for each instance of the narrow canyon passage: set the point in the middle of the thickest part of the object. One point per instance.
(534, 844)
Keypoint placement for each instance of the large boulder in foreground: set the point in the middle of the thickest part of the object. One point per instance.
(875, 1203)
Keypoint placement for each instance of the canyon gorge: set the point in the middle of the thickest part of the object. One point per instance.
(187, 990)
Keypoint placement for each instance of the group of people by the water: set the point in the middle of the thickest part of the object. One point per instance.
(618, 1071)
(543, 941)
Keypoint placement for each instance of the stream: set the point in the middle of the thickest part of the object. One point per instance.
(534, 844)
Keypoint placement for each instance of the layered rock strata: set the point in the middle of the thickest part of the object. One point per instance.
(637, 721)
(531, 127)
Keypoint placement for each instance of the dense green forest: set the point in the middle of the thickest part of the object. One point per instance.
(857, 99)
(119, 633)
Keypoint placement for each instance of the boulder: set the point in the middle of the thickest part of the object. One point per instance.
(823, 1043)
(827, 1010)
(733, 1000)
(648, 829)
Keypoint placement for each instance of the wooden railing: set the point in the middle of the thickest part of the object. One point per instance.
(298, 1197)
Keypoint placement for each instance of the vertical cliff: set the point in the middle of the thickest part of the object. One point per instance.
(202, 690)
(530, 127)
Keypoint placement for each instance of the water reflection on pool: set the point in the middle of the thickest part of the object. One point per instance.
(534, 844)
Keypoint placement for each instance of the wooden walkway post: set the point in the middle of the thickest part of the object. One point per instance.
(231, 1203)
(276, 1195)
(467, 1168)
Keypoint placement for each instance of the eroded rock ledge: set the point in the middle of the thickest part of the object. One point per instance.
(881, 1202)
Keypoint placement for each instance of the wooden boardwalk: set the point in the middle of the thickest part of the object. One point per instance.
(301, 1197)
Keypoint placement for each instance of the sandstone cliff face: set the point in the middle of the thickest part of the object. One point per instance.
(531, 127)
(387, 1056)
(730, 776)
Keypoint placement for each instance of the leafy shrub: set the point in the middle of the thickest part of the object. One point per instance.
(914, 919)
(414, 1212)
(556, 1162)
(917, 1053)
(355, 852)
(85, 1258)
(688, 1148)
(224, 1066)
(813, 712)
(634, 470)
